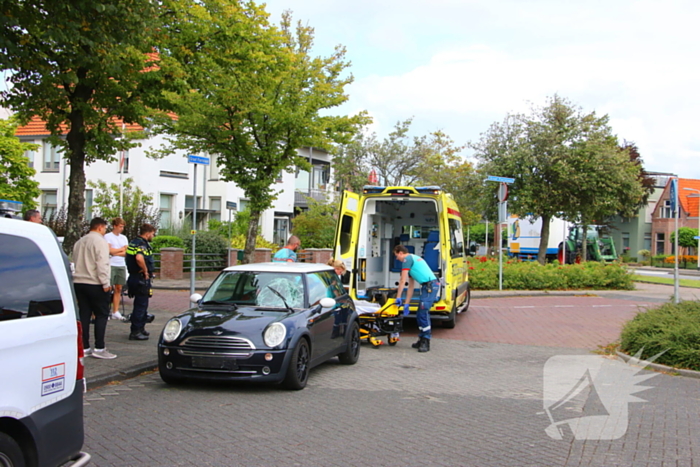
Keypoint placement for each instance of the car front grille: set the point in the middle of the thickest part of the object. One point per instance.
(216, 345)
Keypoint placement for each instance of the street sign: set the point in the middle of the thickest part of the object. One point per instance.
(231, 205)
(197, 159)
(493, 178)
(503, 192)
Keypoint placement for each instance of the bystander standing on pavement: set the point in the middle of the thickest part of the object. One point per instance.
(139, 262)
(92, 286)
(32, 215)
(117, 250)
(288, 254)
(418, 270)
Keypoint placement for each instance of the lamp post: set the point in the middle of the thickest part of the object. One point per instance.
(697, 253)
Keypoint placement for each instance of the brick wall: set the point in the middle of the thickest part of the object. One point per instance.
(171, 261)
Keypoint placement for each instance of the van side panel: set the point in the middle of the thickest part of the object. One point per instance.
(58, 429)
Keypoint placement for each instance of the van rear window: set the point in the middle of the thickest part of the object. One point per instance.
(27, 286)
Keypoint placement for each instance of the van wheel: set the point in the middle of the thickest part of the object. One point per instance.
(450, 323)
(10, 452)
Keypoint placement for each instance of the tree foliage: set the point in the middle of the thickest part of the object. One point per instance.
(16, 177)
(565, 163)
(686, 237)
(137, 207)
(316, 226)
(253, 95)
(80, 67)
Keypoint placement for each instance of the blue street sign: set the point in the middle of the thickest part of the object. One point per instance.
(231, 205)
(197, 159)
(493, 178)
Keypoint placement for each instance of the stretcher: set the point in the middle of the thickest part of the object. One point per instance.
(379, 318)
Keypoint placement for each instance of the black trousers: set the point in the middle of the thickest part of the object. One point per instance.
(138, 315)
(93, 300)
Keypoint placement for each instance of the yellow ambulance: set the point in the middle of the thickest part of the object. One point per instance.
(426, 220)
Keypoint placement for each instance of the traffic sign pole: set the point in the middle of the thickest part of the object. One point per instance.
(192, 159)
(502, 217)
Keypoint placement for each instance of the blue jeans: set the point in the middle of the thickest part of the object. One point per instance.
(426, 303)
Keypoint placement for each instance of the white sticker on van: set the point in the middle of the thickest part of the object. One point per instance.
(53, 379)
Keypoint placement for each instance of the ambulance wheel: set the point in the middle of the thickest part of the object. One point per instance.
(452, 320)
(10, 452)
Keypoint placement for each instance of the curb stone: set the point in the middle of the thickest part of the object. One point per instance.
(131, 372)
(658, 366)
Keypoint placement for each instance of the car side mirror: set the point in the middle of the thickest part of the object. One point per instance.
(195, 298)
(327, 302)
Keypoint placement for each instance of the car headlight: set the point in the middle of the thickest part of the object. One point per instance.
(274, 334)
(172, 330)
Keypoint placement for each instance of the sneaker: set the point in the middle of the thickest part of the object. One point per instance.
(116, 315)
(87, 351)
(103, 353)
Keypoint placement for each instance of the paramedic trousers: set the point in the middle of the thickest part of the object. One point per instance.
(428, 295)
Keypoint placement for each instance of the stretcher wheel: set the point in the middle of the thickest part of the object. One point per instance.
(375, 342)
(393, 340)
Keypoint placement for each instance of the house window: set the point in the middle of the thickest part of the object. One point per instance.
(647, 241)
(666, 212)
(30, 155)
(48, 203)
(660, 243)
(52, 157)
(625, 241)
(166, 211)
(215, 207)
(242, 204)
(189, 207)
(281, 232)
(88, 205)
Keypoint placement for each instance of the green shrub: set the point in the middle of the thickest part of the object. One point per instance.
(166, 241)
(238, 242)
(207, 242)
(673, 328)
(530, 275)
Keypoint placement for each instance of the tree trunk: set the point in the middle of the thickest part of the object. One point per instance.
(76, 182)
(584, 242)
(544, 239)
(251, 236)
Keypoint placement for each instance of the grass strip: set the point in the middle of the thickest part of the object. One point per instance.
(663, 280)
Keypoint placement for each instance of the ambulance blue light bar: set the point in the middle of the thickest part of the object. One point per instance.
(369, 189)
(429, 190)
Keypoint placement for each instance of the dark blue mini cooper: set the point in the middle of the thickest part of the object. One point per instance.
(268, 322)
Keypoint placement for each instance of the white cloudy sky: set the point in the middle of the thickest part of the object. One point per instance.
(460, 65)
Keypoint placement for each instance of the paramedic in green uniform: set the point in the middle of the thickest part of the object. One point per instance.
(416, 269)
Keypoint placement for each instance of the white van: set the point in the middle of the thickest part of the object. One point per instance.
(42, 385)
(426, 220)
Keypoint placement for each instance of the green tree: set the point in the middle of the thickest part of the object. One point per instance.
(686, 237)
(80, 66)
(254, 95)
(16, 182)
(316, 227)
(137, 206)
(565, 163)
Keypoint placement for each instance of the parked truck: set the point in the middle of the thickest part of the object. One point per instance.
(565, 241)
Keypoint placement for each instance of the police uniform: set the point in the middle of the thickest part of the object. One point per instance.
(138, 286)
(419, 270)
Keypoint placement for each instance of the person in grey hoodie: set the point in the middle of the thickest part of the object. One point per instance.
(91, 280)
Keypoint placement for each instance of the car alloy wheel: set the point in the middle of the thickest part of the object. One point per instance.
(298, 370)
(352, 353)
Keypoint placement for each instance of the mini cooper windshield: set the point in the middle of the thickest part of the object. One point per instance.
(257, 289)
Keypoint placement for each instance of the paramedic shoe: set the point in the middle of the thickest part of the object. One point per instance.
(424, 345)
(416, 344)
(103, 353)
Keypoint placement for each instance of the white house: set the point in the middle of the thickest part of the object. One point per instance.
(171, 182)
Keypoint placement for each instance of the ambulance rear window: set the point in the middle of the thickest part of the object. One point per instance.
(27, 286)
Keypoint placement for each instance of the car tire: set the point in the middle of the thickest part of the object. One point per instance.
(352, 353)
(10, 452)
(298, 369)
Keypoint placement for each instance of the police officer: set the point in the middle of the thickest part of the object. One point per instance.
(418, 270)
(139, 262)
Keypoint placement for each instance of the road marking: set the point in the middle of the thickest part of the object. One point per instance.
(522, 307)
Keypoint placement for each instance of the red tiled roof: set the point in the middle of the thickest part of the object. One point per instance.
(688, 202)
(37, 127)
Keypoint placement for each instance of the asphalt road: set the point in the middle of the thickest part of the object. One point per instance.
(476, 399)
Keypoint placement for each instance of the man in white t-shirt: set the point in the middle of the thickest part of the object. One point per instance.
(117, 251)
